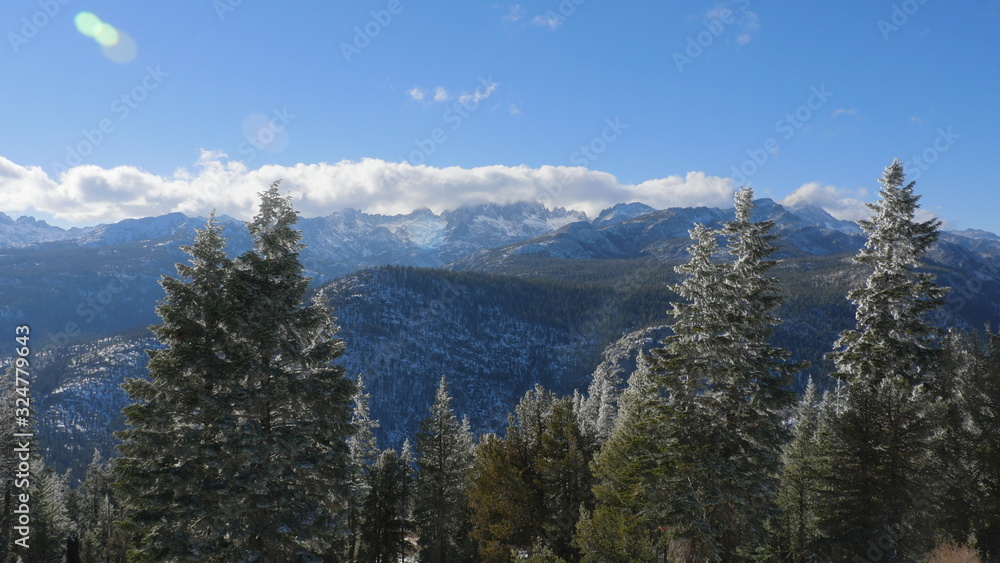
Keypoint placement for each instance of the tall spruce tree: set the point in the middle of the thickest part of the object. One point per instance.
(364, 452)
(172, 471)
(50, 522)
(386, 522)
(97, 511)
(646, 503)
(970, 505)
(599, 410)
(880, 483)
(527, 488)
(236, 446)
(445, 452)
(795, 536)
(707, 449)
(894, 337)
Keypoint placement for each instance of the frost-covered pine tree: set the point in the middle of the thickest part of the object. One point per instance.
(599, 410)
(173, 472)
(445, 452)
(893, 337)
(50, 522)
(646, 505)
(798, 497)
(721, 363)
(364, 452)
(753, 399)
(881, 474)
(977, 488)
(97, 512)
(237, 444)
(712, 434)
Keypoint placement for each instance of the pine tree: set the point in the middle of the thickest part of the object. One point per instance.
(971, 498)
(50, 522)
(386, 522)
(880, 478)
(658, 448)
(506, 496)
(565, 478)
(496, 498)
(798, 494)
(236, 447)
(445, 455)
(527, 488)
(173, 470)
(364, 452)
(599, 410)
(707, 445)
(893, 337)
(751, 400)
(97, 512)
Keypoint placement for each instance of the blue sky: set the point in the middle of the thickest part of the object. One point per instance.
(392, 105)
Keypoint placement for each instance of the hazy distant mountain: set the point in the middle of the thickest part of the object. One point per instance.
(545, 296)
(629, 232)
(27, 230)
(621, 212)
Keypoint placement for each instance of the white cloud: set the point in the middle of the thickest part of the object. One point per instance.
(515, 109)
(719, 12)
(416, 93)
(440, 94)
(917, 121)
(482, 92)
(87, 195)
(845, 111)
(549, 20)
(515, 13)
(842, 204)
(751, 24)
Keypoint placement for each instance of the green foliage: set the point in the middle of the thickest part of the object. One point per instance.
(881, 479)
(97, 512)
(970, 502)
(386, 510)
(704, 442)
(236, 446)
(445, 455)
(528, 488)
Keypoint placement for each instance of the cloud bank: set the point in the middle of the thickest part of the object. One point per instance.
(843, 204)
(88, 194)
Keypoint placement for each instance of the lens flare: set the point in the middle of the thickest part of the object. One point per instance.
(106, 35)
(87, 23)
(124, 51)
(116, 45)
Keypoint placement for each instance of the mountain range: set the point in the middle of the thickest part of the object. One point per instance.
(495, 297)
